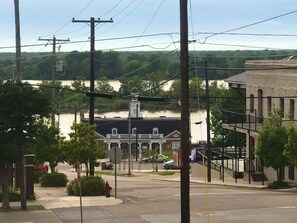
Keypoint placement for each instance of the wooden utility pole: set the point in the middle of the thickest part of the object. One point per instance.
(54, 42)
(185, 114)
(17, 79)
(17, 41)
(208, 144)
(92, 23)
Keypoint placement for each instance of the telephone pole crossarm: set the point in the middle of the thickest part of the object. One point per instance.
(94, 20)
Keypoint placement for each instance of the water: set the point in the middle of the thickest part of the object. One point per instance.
(198, 132)
(116, 84)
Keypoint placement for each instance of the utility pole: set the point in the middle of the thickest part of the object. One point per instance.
(17, 41)
(54, 42)
(17, 79)
(92, 23)
(208, 151)
(185, 114)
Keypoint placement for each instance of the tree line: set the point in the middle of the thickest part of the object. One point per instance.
(144, 64)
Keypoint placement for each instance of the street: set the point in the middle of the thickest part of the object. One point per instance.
(157, 199)
(153, 198)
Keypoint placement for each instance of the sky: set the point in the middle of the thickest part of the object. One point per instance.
(140, 25)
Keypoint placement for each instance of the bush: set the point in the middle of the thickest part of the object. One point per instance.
(53, 180)
(90, 186)
(37, 175)
(14, 194)
(278, 185)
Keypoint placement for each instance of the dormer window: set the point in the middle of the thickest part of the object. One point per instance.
(114, 131)
(134, 131)
(155, 131)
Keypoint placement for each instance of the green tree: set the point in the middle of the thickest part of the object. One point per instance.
(232, 100)
(271, 143)
(21, 107)
(128, 84)
(103, 86)
(46, 144)
(291, 146)
(82, 146)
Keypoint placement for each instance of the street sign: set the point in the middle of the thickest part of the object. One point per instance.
(115, 155)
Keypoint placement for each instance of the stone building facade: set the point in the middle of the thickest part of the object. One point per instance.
(269, 84)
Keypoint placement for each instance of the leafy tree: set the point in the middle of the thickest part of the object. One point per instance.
(128, 84)
(291, 146)
(226, 101)
(21, 107)
(82, 146)
(196, 92)
(103, 86)
(271, 143)
(46, 145)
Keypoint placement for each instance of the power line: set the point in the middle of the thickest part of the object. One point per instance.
(68, 22)
(249, 25)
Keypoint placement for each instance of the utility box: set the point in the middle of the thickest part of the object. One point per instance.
(29, 167)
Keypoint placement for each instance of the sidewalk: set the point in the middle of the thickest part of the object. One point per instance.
(52, 199)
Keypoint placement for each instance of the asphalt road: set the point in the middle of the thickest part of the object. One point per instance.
(156, 200)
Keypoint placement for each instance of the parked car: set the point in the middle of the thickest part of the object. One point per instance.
(170, 165)
(41, 167)
(160, 158)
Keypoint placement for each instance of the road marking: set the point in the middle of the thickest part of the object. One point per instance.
(288, 207)
(217, 193)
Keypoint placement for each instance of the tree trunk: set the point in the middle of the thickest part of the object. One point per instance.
(4, 174)
(52, 167)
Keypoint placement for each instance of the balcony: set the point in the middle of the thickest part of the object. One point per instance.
(242, 121)
(133, 136)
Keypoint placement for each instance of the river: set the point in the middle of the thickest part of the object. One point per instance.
(117, 84)
(198, 132)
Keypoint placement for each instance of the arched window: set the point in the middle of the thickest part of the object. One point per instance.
(134, 131)
(114, 131)
(155, 131)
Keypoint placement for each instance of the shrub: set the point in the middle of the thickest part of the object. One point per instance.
(37, 175)
(53, 180)
(278, 185)
(90, 186)
(14, 194)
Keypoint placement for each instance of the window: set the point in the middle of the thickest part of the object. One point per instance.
(175, 145)
(134, 131)
(291, 172)
(260, 103)
(282, 106)
(292, 109)
(155, 131)
(114, 131)
(252, 105)
(268, 104)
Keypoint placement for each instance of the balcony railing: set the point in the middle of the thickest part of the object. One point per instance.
(243, 119)
(133, 136)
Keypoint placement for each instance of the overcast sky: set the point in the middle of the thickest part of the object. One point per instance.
(150, 24)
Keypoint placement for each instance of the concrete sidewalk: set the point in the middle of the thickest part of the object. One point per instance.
(52, 199)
